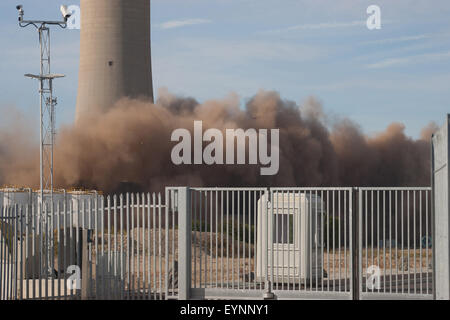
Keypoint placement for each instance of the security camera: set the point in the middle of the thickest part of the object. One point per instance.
(65, 12)
(20, 9)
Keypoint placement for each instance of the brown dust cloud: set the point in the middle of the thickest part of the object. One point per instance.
(129, 146)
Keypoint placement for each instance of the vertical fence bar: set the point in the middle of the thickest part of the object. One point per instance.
(15, 248)
(426, 237)
(256, 223)
(2, 244)
(109, 260)
(195, 240)
(138, 246)
(334, 240)
(116, 254)
(310, 260)
(232, 239)
(51, 236)
(276, 243)
(205, 237)
(390, 240)
(328, 240)
(167, 231)
(346, 193)
(27, 252)
(296, 236)
(61, 249)
(238, 239)
(160, 246)
(20, 254)
(408, 226)
(2, 253)
(420, 242)
(184, 243)
(403, 243)
(144, 249)
(378, 232)
(46, 235)
(42, 251)
(200, 236)
(288, 222)
(396, 242)
(210, 224)
(414, 244)
(361, 193)
(174, 254)
(133, 246)
(65, 244)
(122, 251)
(217, 235)
(154, 247)
(339, 239)
(384, 240)
(144, 252)
(271, 244)
(366, 222)
(244, 194)
(221, 240)
(355, 244)
(149, 248)
(7, 254)
(228, 239)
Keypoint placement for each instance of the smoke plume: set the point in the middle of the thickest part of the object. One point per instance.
(130, 145)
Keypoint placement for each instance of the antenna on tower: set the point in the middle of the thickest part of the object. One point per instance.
(46, 107)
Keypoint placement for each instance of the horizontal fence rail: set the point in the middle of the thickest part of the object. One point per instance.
(214, 243)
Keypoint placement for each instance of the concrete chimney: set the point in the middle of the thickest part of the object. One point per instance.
(115, 54)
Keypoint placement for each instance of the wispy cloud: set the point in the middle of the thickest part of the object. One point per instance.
(235, 51)
(182, 23)
(398, 40)
(319, 26)
(422, 58)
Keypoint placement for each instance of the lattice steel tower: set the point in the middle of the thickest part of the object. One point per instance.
(47, 100)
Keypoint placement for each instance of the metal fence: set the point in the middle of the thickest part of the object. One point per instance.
(224, 241)
(395, 243)
(212, 243)
(292, 242)
(121, 247)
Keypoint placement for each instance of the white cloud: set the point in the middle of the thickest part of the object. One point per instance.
(182, 23)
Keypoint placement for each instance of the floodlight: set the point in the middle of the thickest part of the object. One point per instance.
(65, 12)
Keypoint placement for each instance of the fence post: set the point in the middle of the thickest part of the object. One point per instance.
(184, 242)
(440, 219)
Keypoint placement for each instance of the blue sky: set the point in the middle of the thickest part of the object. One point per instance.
(209, 48)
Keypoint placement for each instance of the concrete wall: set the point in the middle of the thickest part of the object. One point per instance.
(115, 57)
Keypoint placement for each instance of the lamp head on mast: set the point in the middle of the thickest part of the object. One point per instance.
(41, 24)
